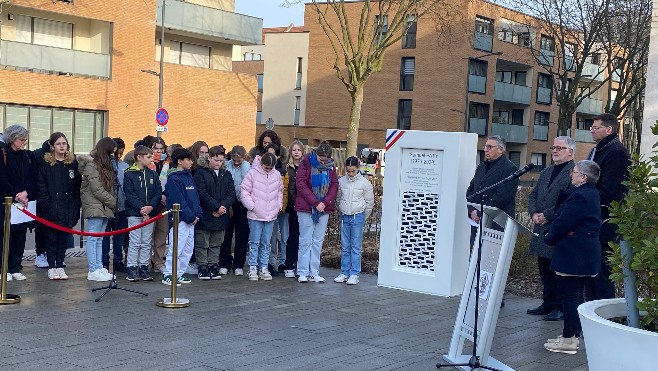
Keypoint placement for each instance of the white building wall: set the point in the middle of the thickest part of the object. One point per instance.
(651, 92)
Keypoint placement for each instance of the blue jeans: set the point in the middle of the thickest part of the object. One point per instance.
(113, 224)
(351, 236)
(311, 236)
(259, 242)
(280, 235)
(95, 244)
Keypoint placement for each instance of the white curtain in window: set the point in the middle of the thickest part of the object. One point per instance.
(174, 52)
(195, 55)
(39, 127)
(53, 33)
(409, 66)
(23, 29)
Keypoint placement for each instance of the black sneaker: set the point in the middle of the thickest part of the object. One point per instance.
(272, 271)
(203, 273)
(144, 273)
(214, 272)
(132, 274)
(119, 267)
(282, 268)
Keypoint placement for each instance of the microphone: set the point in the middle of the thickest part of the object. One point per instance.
(521, 171)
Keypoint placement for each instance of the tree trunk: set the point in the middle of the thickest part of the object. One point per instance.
(355, 118)
(564, 122)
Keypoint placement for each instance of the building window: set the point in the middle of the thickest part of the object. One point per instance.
(189, 54)
(544, 88)
(584, 124)
(512, 77)
(381, 26)
(541, 118)
(409, 38)
(540, 128)
(407, 67)
(478, 117)
(500, 116)
(569, 56)
(298, 81)
(515, 157)
(484, 25)
(404, 114)
(517, 117)
(298, 109)
(39, 31)
(477, 79)
(547, 43)
(259, 117)
(539, 159)
(259, 78)
(515, 33)
(251, 56)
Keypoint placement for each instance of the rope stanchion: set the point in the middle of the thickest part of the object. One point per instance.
(173, 302)
(50, 224)
(4, 297)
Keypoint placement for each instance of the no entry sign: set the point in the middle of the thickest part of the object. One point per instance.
(162, 117)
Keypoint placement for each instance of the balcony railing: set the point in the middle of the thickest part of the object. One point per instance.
(512, 93)
(540, 132)
(237, 28)
(477, 126)
(477, 84)
(48, 58)
(511, 133)
(546, 57)
(483, 41)
(569, 63)
(544, 95)
(593, 71)
(582, 135)
(590, 106)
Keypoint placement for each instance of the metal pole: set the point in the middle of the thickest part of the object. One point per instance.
(468, 67)
(4, 297)
(160, 75)
(630, 288)
(173, 302)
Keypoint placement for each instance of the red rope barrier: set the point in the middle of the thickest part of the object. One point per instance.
(90, 234)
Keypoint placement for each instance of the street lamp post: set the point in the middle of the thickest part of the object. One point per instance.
(160, 74)
(466, 102)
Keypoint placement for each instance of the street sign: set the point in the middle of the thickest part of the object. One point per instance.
(162, 117)
(161, 128)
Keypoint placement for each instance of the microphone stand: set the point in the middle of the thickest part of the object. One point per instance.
(113, 282)
(474, 361)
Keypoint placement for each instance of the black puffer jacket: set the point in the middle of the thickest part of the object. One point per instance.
(59, 190)
(214, 190)
(18, 173)
(292, 188)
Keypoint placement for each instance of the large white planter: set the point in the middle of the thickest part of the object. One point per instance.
(611, 346)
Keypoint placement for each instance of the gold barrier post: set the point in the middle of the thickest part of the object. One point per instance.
(174, 302)
(4, 297)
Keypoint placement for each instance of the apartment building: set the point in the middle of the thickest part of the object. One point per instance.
(480, 78)
(89, 68)
(280, 65)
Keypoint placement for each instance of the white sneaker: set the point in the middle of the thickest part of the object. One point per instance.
(239, 272)
(18, 276)
(302, 279)
(192, 269)
(107, 274)
(253, 274)
(97, 275)
(265, 274)
(41, 261)
(317, 279)
(341, 278)
(353, 280)
(53, 274)
(289, 273)
(9, 277)
(223, 271)
(62, 274)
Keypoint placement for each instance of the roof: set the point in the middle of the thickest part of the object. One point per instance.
(291, 28)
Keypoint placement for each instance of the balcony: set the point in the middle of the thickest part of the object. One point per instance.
(540, 132)
(235, 28)
(546, 57)
(483, 41)
(593, 72)
(512, 93)
(569, 63)
(590, 106)
(616, 75)
(511, 133)
(477, 126)
(544, 95)
(477, 84)
(581, 135)
(47, 58)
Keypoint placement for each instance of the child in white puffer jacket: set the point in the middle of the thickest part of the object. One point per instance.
(355, 201)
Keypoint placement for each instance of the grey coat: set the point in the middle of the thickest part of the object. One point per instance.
(542, 199)
(96, 201)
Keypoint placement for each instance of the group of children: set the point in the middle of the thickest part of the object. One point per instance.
(276, 208)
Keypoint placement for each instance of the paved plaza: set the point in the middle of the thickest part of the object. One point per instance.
(235, 324)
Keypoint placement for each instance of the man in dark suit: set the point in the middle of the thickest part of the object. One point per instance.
(495, 168)
(613, 159)
(553, 180)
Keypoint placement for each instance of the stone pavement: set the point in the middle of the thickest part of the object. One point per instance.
(235, 324)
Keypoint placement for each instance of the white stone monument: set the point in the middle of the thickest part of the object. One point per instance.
(424, 243)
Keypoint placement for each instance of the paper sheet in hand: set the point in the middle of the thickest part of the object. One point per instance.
(18, 217)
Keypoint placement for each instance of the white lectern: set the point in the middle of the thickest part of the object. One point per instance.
(497, 251)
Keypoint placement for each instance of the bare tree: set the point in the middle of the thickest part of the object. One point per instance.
(359, 47)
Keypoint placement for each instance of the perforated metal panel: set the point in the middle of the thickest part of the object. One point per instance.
(418, 230)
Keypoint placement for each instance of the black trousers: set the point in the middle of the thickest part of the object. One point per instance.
(292, 248)
(57, 242)
(551, 295)
(238, 225)
(572, 289)
(16, 249)
(40, 238)
(601, 287)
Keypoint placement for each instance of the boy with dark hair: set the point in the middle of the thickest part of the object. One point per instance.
(217, 194)
(143, 192)
(180, 189)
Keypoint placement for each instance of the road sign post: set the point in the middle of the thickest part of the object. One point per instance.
(162, 118)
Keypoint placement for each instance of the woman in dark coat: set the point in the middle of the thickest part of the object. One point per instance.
(59, 196)
(577, 254)
(18, 180)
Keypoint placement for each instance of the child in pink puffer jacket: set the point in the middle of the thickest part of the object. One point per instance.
(262, 194)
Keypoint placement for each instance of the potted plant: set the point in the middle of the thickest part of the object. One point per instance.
(615, 339)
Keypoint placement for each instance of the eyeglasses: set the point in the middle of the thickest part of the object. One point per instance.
(487, 147)
(575, 172)
(557, 148)
(593, 128)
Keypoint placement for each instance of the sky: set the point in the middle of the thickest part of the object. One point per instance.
(271, 12)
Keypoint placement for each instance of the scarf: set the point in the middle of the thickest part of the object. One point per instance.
(319, 181)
